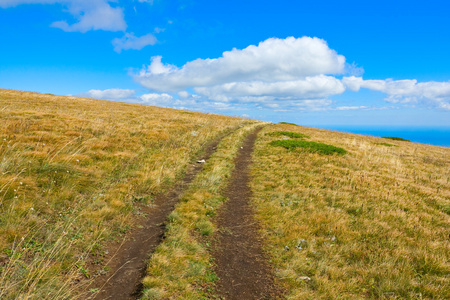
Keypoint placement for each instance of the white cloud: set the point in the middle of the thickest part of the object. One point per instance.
(291, 72)
(351, 108)
(405, 91)
(130, 41)
(192, 102)
(310, 87)
(90, 14)
(157, 99)
(353, 83)
(11, 3)
(305, 105)
(183, 94)
(272, 60)
(109, 94)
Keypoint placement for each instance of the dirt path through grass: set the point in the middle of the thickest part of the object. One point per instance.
(127, 263)
(241, 265)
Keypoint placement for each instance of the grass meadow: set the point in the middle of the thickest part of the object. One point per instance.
(369, 223)
(343, 216)
(71, 170)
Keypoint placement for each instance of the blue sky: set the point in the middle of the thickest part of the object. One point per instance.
(314, 63)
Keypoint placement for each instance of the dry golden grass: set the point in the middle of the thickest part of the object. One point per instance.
(70, 171)
(373, 223)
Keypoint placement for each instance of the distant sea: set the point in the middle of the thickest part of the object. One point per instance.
(438, 136)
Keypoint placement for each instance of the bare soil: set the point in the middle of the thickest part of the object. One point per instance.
(127, 261)
(241, 264)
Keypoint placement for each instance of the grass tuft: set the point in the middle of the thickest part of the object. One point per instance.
(295, 135)
(394, 138)
(386, 144)
(309, 146)
(287, 123)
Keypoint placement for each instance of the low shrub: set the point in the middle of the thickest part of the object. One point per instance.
(287, 123)
(310, 146)
(289, 134)
(386, 144)
(395, 138)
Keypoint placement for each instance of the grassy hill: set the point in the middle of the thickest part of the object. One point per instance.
(371, 223)
(341, 215)
(71, 170)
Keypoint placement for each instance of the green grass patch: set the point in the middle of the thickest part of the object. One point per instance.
(310, 146)
(395, 138)
(290, 134)
(287, 123)
(386, 144)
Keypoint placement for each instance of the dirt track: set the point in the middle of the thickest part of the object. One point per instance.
(242, 267)
(127, 262)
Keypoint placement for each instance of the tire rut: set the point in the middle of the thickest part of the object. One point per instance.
(241, 264)
(128, 264)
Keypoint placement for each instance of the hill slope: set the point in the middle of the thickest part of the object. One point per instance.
(371, 223)
(71, 171)
(341, 215)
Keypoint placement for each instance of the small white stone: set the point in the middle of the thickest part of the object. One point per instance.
(201, 161)
(304, 278)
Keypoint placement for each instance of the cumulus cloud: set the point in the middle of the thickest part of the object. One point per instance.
(109, 94)
(130, 41)
(188, 101)
(288, 71)
(272, 60)
(351, 108)
(9, 3)
(291, 73)
(405, 91)
(157, 99)
(307, 105)
(90, 14)
(310, 87)
(183, 94)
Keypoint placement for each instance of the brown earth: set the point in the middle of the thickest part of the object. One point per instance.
(127, 261)
(241, 264)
